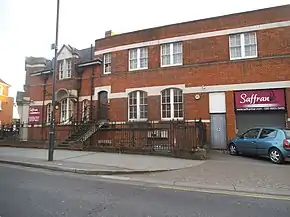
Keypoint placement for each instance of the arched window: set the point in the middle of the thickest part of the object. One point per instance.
(137, 105)
(172, 104)
(85, 110)
(48, 112)
(66, 110)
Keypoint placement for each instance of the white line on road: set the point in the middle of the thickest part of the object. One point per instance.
(114, 177)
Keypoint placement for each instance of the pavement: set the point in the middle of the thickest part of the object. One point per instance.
(226, 173)
(29, 192)
(92, 163)
(221, 172)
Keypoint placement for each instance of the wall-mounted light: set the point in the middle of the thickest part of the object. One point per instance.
(197, 96)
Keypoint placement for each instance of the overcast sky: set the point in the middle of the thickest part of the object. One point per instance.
(27, 27)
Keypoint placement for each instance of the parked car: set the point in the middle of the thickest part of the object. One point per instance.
(267, 141)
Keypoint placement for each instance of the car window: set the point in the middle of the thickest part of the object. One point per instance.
(287, 134)
(251, 134)
(268, 133)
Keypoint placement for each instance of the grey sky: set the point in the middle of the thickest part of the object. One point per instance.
(28, 27)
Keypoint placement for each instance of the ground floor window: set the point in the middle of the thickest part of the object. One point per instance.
(66, 110)
(85, 110)
(172, 104)
(48, 112)
(138, 105)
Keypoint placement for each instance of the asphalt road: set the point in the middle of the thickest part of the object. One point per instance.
(36, 193)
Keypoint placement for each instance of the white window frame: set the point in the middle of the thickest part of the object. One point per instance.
(48, 113)
(65, 69)
(138, 58)
(66, 108)
(243, 53)
(1, 91)
(104, 63)
(68, 68)
(0, 105)
(61, 69)
(171, 54)
(138, 106)
(172, 105)
(85, 102)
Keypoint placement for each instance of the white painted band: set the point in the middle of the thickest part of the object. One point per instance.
(196, 36)
(156, 90)
(124, 122)
(35, 65)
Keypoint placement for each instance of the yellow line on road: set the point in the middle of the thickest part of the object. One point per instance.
(225, 192)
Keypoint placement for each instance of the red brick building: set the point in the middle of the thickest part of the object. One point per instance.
(231, 71)
(6, 104)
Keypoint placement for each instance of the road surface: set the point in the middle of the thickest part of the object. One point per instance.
(36, 193)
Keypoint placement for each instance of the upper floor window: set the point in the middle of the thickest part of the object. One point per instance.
(65, 69)
(243, 45)
(1, 90)
(138, 58)
(171, 54)
(60, 70)
(138, 105)
(172, 104)
(68, 65)
(107, 63)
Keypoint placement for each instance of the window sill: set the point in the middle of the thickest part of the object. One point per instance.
(172, 119)
(138, 120)
(61, 79)
(241, 58)
(137, 69)
(171, 65)
(106, 73)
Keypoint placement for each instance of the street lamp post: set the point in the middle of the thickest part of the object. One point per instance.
(52, 120)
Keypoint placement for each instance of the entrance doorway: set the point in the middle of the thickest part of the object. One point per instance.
(218, 131)
(103, 105)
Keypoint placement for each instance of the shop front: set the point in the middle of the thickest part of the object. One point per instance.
(260, 108)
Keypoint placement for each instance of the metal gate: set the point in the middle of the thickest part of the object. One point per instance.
(218, 131)
(246, 120)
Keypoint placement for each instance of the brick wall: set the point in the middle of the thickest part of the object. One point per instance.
(205, 62)
(269, 15)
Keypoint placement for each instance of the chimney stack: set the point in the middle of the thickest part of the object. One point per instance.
(108, 33)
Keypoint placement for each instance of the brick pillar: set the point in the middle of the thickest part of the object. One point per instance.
(287, 92)
(231, 116)
(154, 108)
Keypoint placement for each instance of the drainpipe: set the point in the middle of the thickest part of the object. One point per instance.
(43, 106)
(92, 83)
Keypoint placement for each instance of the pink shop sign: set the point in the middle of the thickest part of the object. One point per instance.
(255, 100)
(34, 115)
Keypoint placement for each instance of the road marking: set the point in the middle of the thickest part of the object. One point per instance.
(232, 193)
(114, 177)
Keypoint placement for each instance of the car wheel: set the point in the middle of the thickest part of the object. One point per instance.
(233, 149)
(276, 156)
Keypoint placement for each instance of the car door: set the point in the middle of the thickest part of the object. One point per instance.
(265, 141)
(247, 142)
